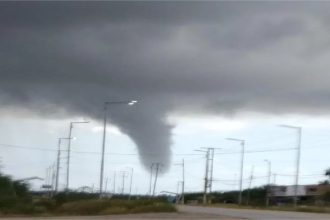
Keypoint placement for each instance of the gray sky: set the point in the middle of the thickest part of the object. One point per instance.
(62, 60)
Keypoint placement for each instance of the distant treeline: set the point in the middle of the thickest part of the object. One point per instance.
(255, 196)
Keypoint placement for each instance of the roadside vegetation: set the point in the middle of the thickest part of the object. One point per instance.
(17, 200)
(255, 198)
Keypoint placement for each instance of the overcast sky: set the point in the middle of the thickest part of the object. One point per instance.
(200, 70)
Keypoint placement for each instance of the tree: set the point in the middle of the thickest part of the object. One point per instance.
(327, 173)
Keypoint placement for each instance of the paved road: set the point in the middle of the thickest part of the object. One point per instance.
(150, 216)
(254, 214)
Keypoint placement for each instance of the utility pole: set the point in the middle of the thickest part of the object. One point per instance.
(131, 182)
(242, 143)
(69, 153)
(53, 178)
(114, 183)
(211, 159)
(208, 179)
(106, 185)
(274, 178)
(268, 183)
(206, 176)
(124, 175)
(250, 184)
(58, 164)
(183, 180)
(298, 142)
(156, 177)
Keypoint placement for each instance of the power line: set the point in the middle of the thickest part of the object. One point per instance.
(135, 154)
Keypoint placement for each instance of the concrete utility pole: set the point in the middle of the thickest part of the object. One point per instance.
(131, 182)
(183, 181)
(206, 176)
(274, 178)
(299, 131)
(211, 159)
(250, 184)
(58, 162)
(208, 179)
(242, 142)
(268, 182)
(106, 185)
(53, 178)
(114, 183)
(123, 176)
(69, 152)
(106, 104)
(156, 177)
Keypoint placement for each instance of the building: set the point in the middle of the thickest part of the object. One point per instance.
(305, 193)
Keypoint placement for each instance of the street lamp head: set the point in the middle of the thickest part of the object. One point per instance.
(133, 102)
(289, 126)
(235, 139)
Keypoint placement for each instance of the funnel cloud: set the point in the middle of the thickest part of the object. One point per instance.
(64, 59)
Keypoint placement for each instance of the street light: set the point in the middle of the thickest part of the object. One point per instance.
(106, 104)
(269, 176)
(183, 181)
(69, 152)
(58, 162)
(242, 142)
(298, 129)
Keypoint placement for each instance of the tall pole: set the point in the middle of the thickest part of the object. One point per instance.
(156, 177)
(297, 166)
(58, 164)
(241, 178)
(268, 182)
(68, 161)
(133, 102)
(250, 184)
(242, 142)
(183, 181)
(53, 178)
(299, 131)
(106, 185)
(123, 182)
(131, 182)
(103, 146)
(211, 175)
(69, 153)
(206, 176)
(114, 183)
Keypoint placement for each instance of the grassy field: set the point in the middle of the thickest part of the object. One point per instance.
(46, 207)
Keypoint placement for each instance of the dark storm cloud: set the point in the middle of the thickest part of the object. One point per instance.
(62, 59)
